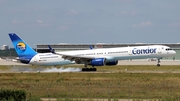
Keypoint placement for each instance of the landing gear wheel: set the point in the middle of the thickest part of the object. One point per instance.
(158, 65)
(88, 69)
(93, 69)
(85, 69)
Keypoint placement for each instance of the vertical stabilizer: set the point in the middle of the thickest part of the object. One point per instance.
(24, 51)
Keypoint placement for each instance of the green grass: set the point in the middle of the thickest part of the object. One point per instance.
(113, 84)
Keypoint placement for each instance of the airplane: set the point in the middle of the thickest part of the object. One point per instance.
(27, 55)
(93, 57)
(110, 56)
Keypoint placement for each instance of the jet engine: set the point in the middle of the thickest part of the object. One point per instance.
(97, 62)
(112, 63)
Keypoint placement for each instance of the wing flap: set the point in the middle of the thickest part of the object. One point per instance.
(73, 57)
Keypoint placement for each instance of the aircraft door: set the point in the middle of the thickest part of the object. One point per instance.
(35, 59)
(159, 51)
(130, 52)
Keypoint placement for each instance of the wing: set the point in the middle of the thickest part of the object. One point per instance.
(77, 58)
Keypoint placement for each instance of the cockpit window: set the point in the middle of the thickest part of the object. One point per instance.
(167, 49)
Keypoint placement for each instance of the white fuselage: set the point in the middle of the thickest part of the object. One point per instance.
(49, 59)
(110, 54)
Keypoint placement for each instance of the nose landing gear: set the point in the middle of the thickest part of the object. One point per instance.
(158, 63)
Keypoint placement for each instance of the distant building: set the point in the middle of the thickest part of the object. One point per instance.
(5, 47)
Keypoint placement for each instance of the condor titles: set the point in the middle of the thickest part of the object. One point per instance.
(144, 51)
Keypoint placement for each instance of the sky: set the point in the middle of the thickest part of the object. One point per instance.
(90, 21)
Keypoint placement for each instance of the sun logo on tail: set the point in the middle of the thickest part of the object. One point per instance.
(21, 47)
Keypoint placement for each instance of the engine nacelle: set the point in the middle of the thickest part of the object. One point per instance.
(112, 63)
(97, 62)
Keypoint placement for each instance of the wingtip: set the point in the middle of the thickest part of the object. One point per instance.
(51, 50)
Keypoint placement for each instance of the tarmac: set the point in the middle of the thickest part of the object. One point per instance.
(146, 62)
(17, 67)
(5, 62)
(123, 62)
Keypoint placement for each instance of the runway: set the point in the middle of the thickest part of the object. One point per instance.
(123, 62)
(14, 67)
(146, 62)
(4, 62)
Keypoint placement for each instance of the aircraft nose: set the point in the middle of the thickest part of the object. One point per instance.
(174, 52)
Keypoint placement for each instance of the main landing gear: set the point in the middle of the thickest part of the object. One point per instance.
(88, 69)
(85, 69)
(158, 63)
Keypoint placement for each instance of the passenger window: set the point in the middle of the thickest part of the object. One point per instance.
(168, 49)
